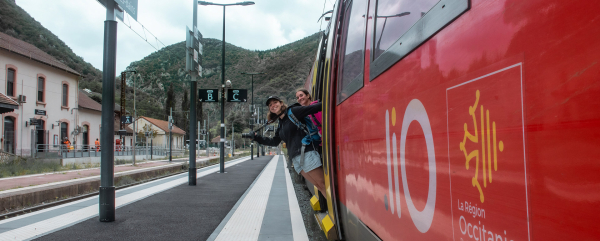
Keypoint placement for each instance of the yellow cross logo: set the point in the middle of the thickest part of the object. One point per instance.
(485, 143)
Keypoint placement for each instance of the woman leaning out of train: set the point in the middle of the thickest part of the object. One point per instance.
(304, 98)
(289, 133)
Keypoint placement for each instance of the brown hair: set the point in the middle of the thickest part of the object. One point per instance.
(305, 91)
(273, 116)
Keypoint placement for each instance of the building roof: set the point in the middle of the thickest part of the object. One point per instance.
(25, 49)
(88, 103)
(85, 101)
(163, 125)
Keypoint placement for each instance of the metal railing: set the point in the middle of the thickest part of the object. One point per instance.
(76, 151)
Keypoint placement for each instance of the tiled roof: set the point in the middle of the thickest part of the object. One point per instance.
(163, 125)
(88, 103)
(25, 49)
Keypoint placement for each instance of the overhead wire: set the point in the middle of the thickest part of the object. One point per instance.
(145, 37)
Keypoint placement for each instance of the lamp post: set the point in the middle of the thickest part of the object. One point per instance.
(222, 141)
(252, 125)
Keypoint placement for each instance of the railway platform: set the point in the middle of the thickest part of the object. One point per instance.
(252, 200)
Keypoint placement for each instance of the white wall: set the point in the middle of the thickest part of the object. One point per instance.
(27, 71)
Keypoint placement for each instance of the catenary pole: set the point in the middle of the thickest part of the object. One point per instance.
(107, 188)
(193, 91)
(222, 141)
(171, 135)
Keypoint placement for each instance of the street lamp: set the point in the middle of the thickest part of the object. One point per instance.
(222, 141)
(252, 125)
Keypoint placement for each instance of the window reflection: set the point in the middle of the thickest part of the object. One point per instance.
(354, 27)
(394, 18)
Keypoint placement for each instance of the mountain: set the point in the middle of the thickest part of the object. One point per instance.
(162, 82)
(286, 68)
(17, 23)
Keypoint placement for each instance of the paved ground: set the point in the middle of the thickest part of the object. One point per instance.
(175, 214)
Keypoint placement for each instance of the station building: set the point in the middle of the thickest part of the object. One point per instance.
(46, 91)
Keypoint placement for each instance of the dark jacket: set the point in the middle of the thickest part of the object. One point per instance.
(288, 132)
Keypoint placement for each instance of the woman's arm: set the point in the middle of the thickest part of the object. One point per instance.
(274, 141)
(302, 111)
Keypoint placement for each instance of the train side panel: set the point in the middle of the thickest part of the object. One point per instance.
(486, 131)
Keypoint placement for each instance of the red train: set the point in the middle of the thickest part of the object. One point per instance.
(461, 120)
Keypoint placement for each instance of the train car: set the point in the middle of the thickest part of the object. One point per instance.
(460, 120)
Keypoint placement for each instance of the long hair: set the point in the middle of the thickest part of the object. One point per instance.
(305, 91)
(273, 116)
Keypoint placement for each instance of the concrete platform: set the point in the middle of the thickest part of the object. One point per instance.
(253, 200)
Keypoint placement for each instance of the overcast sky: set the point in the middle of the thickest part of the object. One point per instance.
(265, 25)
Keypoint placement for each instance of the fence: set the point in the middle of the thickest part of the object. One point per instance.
(75, 151)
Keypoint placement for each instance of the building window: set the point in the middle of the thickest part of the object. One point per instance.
(10, 83)
(41, 86)
(9, 134)
(65, 95)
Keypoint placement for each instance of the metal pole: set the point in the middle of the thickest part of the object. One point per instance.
(193, 91)
(134, 122)
(171, 135)
(107, 172)
(258, 119)
(207, 133)
(205, 137)
(232, 140)
(252, 125)
(198, 137)
(222, 146)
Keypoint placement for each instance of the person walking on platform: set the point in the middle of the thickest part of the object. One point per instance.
(289, 133)
(97, 143)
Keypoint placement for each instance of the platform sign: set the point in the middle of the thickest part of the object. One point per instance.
(208, 95)
(40, 112)
(126, 119)
(487, 157)
(237, 95)
(130, 6)
(193, 51)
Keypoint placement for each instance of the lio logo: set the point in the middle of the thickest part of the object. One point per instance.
(489, 146)
(415, 111)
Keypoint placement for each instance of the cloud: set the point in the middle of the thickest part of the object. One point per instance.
(265, 25)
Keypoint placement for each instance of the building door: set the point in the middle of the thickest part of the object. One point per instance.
(64, 132)
(40, 136)
(86, 137)
(9, 134)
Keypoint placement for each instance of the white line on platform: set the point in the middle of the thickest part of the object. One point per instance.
(245, 223)
(298, 228)
(50, 225)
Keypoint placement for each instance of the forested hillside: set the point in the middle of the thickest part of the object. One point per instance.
(162, 82)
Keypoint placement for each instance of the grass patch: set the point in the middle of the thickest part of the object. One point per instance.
(27, 166)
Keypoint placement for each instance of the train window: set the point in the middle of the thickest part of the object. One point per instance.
(394, 18)
(354, 31)
(402, 26)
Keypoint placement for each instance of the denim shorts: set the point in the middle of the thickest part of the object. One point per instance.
(312, 160)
